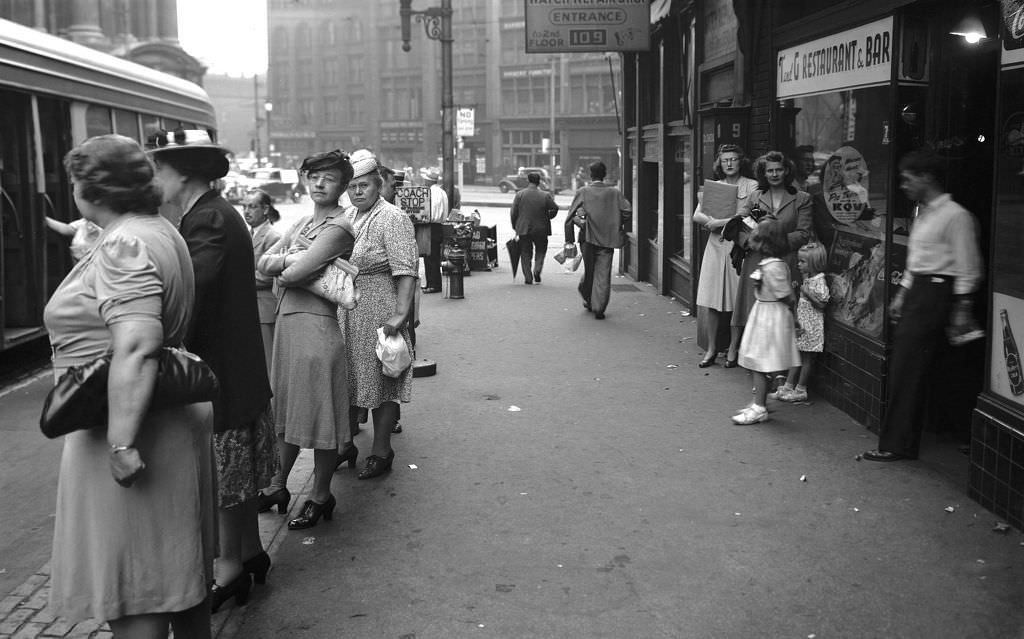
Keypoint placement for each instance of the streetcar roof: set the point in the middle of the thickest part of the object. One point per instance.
(43, 63)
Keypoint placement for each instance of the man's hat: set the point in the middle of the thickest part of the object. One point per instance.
(431, 175)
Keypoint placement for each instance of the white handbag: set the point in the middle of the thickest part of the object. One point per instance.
(337, 284)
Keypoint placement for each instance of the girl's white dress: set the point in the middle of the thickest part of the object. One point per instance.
(769, 339)
(811, 337)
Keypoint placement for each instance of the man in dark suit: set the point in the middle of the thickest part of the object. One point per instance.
(532, 210)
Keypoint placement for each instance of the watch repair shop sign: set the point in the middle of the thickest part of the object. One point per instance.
(852, 59)
(569, 26)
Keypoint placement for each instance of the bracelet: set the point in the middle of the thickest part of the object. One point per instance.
(114, 448)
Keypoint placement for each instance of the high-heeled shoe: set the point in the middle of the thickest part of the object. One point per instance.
(280, 498)
(258, 566)
(238, 588)
(377, 466)
(731, 363)
(708, 361)
(311, 513)
(348, 455)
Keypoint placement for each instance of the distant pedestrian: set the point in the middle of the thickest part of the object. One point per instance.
(810, 326)
(260, 215)
(532, 211)
(602, 212)
(438, 213)
(719, 281)
(943, 270)
(769, 341)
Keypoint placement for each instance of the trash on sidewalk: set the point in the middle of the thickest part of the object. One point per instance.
(803, 477)
(672, 366)
(309, 541)
(1001, 528)
(950, 509)
(413, 466)
(514, 409)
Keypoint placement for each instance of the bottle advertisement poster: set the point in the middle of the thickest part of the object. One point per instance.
(1007, 375)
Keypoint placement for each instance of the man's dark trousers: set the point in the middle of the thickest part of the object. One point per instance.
(917, 340)
(595, 285)
(532, 266)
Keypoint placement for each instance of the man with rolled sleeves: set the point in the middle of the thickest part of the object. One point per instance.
(943, 270)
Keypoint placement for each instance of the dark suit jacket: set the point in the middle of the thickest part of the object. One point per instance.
(532, 210)
(225, 328)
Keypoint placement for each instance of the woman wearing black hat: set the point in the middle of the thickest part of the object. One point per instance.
(310, 373)
(224, 331)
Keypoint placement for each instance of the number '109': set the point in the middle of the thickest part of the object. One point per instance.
(587, 36)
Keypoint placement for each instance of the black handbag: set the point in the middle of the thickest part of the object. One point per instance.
(79, 399)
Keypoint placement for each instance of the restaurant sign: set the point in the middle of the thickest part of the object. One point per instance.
(852, 59)
(569, 26)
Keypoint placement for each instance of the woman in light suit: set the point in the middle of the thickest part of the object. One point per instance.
(775, 197)
(259, 213)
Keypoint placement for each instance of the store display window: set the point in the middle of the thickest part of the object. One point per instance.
(841, 151)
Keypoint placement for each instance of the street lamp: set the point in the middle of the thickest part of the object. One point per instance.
(437, 22)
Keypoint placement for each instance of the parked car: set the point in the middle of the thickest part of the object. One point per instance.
(519, 182)
(280, 184)
(234, 186)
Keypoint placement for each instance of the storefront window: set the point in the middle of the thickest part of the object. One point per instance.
(1006, 377)
(842, 154)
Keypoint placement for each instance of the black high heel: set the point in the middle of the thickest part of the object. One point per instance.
(708, 361)
(377, 466)
(311, 513)
(350, 454)
(731, 363)
(238, 588)
(258, 566)
(280, 498)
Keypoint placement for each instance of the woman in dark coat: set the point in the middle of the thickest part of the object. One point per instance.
(225, 331)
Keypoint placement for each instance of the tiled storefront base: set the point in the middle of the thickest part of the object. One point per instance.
(996, 477)
(850, 376)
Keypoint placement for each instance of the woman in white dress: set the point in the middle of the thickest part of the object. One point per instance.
(718, 283)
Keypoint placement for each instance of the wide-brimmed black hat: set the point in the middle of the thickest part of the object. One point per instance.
(204, 155)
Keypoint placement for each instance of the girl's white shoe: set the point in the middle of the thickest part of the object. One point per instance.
(751, 415)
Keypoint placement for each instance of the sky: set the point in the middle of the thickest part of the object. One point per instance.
(228, 36)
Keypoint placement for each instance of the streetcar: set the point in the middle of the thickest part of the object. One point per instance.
(53, 95)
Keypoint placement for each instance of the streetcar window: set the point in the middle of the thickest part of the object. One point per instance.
(150, 126)
(97, 121)
(126, 123)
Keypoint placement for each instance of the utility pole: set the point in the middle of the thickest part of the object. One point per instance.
(551, 170)
(256, 114)
(437, 21)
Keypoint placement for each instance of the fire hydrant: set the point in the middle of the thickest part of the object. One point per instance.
(452, 270)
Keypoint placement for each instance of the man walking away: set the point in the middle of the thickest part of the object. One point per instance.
(942, 272)
(438, 214)
(601, 211)
(532, 210)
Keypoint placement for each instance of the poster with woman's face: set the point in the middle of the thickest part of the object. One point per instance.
(845, 185)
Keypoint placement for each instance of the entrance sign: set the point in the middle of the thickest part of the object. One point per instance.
(465, 122)
(570, 26)
(852, 59)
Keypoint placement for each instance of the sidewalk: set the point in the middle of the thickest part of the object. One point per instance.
(565, 477)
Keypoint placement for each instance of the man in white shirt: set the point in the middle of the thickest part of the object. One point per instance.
(438, 214)
(943, 270)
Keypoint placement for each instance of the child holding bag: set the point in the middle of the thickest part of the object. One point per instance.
(810, 315)
(769, 341)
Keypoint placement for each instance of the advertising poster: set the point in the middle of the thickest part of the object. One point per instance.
(415, 201)
(1007, 330)
(857, 265)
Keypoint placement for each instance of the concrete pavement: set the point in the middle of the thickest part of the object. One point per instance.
(617, 501)
(620, 501)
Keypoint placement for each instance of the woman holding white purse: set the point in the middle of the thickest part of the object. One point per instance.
(309, 371)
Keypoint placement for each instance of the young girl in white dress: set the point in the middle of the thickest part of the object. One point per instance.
(810, 317)
(769, 340)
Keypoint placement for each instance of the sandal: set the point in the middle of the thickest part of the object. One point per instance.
(882, 456)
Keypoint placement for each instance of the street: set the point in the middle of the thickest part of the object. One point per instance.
(564, 477)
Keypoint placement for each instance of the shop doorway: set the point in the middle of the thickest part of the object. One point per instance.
(955, 115)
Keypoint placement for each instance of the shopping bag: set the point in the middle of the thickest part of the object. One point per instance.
(393, 353)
